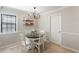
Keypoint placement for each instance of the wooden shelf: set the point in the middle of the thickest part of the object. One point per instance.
(28, 22)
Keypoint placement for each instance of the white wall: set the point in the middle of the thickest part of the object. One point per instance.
(9, 38)
(44, 23)
(69, 26)
(6, 39)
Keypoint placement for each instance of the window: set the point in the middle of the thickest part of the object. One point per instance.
(8, 23)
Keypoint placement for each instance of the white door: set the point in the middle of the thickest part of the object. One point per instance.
(55, 28)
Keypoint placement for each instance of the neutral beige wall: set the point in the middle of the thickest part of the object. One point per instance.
(69, 26)
(10, 38)
(44, 23)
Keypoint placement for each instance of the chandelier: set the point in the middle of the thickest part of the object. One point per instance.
(32, 15)
(35, 14)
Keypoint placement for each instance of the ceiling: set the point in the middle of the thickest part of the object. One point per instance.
(40, 9)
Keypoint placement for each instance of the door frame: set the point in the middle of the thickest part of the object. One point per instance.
(51, 31)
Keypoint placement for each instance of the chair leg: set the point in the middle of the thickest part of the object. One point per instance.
(43, 46)
(38, 49)
(32, 50)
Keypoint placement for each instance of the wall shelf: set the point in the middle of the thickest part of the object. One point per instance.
(28, 22)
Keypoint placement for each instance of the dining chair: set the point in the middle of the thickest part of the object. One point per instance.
(38, 43)
(26, 42)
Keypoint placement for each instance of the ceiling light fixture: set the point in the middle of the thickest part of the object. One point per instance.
(32, 15)
(36, 15)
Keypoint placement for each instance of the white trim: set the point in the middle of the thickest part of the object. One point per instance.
(77, 51)
(55, 42)
(16, 9)
(70, 48)
(70, 33)
(14, 12)
(55, 10)
(50, 28)
(8, 33)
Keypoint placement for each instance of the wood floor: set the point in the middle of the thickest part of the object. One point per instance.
(49, 48)
(54, 48)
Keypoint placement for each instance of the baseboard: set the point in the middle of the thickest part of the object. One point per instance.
(77, 51)
(55, 42)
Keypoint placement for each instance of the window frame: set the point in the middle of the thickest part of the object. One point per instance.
(8, 23)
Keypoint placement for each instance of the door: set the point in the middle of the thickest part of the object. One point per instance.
(55, 27)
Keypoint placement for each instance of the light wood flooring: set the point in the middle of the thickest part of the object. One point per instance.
(54, 48)
(49, 48)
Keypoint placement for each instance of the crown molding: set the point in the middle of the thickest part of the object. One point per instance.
(55, 10)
